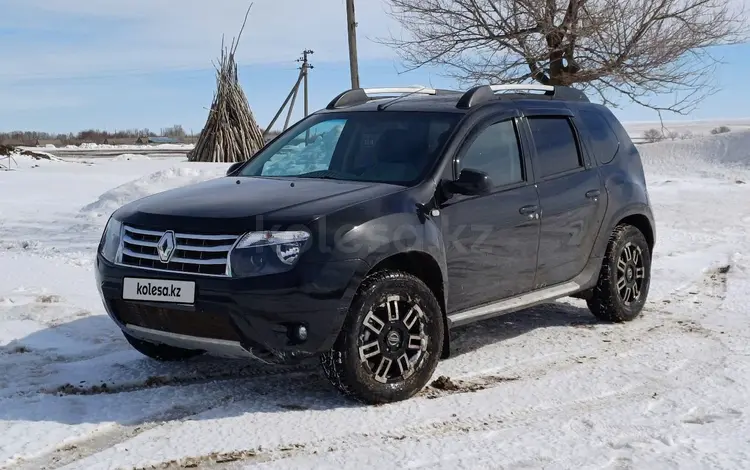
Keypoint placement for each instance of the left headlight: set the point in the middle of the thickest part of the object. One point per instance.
(110, 242)
(262, 253)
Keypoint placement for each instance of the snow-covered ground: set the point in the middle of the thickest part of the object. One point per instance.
(544, 388)
(93, 146)
(684, 129)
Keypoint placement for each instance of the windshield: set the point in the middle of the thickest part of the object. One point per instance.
(389, 147)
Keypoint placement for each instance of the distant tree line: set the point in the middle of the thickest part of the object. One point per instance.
(93, 135)
(97, 135)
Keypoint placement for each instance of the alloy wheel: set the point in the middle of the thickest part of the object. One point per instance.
(631, 273)
(392, 340)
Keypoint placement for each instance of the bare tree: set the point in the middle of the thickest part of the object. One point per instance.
(636, 49)
(653, 135)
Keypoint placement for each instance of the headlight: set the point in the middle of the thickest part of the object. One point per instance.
(110, 243)
(262, 253)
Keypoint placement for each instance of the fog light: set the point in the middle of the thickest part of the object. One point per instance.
(302, 333)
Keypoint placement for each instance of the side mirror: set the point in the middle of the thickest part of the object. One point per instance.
(471, 183)
(233, 167)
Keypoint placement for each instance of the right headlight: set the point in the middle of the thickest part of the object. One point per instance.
(262, 253)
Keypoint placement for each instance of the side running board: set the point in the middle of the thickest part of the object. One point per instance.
(512, 304)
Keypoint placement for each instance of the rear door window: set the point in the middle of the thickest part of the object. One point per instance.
(556, 147)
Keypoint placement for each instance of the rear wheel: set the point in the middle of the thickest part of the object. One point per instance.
(161, 352)
(391, 341)
(625, 277)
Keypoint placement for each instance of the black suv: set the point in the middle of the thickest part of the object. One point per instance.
(369, 229)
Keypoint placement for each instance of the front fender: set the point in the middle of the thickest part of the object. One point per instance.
(381, 238)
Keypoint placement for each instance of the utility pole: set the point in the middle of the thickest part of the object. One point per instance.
(305, 67)
(301, 80)
(352, 29)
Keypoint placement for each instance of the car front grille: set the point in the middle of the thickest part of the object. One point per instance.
(205, 255)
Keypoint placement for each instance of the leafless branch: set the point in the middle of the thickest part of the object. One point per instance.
(637, 49)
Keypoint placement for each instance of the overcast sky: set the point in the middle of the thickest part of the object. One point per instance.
(66, 65)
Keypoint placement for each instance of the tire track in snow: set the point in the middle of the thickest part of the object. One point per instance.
(457, 425)
(705, 296)
(155, 381)
(115, 434)
(688, 371)
(696, 369)
(712, 286)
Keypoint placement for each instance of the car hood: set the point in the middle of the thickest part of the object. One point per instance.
(235, 204)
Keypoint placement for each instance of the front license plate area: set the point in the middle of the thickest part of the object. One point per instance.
(158, 290)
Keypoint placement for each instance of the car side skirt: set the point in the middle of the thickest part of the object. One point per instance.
(585, 280)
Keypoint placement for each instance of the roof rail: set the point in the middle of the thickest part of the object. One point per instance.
(357, 96)
(483, 93)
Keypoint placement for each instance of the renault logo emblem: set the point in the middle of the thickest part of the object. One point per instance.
(165, 247)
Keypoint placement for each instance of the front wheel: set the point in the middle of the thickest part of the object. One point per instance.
(391, 341)
(625, 277)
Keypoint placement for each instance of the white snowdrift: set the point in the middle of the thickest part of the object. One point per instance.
(130, 156)
(711, 154)
(187, 173)
(92, 146)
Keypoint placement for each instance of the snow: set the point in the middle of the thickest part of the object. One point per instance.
(696, 128)
(548, 387)
(93, 146)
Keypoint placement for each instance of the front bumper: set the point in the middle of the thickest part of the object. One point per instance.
(250, 317)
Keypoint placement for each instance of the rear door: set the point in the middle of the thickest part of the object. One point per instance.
(571, 196)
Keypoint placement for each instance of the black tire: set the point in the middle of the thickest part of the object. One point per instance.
(625, 277)
(161, 352)
(380, 377)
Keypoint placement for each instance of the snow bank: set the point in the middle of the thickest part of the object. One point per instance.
(92, 146)
(174, 177)
(707, 155)
(130, 156)
(27, 159)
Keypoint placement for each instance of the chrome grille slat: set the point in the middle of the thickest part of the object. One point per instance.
(207, 249)
(195, 236)
(198, 254)
(133, 241)
(175, 259)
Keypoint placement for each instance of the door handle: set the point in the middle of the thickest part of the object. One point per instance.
(528, 209)
(594, 193)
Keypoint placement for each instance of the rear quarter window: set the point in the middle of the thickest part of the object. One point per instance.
(602, 137)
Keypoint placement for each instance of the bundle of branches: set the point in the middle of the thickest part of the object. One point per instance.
(231, 133)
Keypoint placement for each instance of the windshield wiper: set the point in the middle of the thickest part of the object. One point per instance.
(322, 174)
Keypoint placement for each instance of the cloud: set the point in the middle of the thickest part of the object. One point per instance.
(83, 38)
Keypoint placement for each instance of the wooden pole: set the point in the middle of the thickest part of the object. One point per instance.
(306, 95)
(306, 66)
(291, 106)
(281, 109)
(352, 30)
